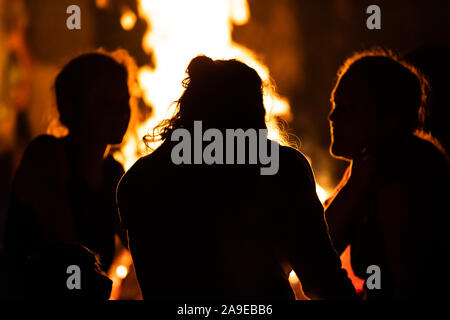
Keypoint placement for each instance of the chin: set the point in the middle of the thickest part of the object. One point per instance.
(339, 152)
(116, 140)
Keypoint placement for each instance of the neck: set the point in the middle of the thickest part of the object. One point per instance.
(385, 147)
(88, 150)
(89, 157)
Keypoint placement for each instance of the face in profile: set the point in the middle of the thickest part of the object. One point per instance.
(352, 118)
(107, 109)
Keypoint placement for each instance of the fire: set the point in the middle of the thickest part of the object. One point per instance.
(297, 286)
(128, 19)
(322, 193)
(122, 271)
(101, 3)
(179, 31)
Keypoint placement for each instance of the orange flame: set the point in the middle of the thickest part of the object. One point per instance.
(127, 19)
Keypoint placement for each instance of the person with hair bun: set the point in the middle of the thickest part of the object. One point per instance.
(64, 189)
(223, 231)
(390, 206)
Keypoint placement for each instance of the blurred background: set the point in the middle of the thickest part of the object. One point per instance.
(300, 44)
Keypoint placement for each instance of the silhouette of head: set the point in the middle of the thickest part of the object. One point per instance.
(48, 274)
(93, 99)
(377, 100)
(434, 62)
(222, 94)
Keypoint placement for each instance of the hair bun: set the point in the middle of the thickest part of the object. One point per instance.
(200, 67)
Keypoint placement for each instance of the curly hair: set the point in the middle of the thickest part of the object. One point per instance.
(220, 93)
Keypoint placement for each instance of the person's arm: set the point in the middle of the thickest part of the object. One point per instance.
(340, 210)
(311, 252)
(338, 213)
(41, 184)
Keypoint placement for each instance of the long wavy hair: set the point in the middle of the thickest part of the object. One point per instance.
(221, 93)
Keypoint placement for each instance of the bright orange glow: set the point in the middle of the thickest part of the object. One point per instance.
(293, 277)
(358, 283)
(322, 193)
(296, 286)
(122, 271)
(101, 3)
(128, 19)
(240, 12)
(178, 31)
(119, 268)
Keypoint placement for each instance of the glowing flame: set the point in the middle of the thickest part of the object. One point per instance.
(122, 271)
(179, 31)
(297, 286)
(128, 19)
(322, 193)
(101, 3)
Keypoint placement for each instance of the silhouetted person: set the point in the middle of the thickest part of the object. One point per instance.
(66, 272)
(222, 230)
(434, 62)
(64, 189)
(392, 208)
